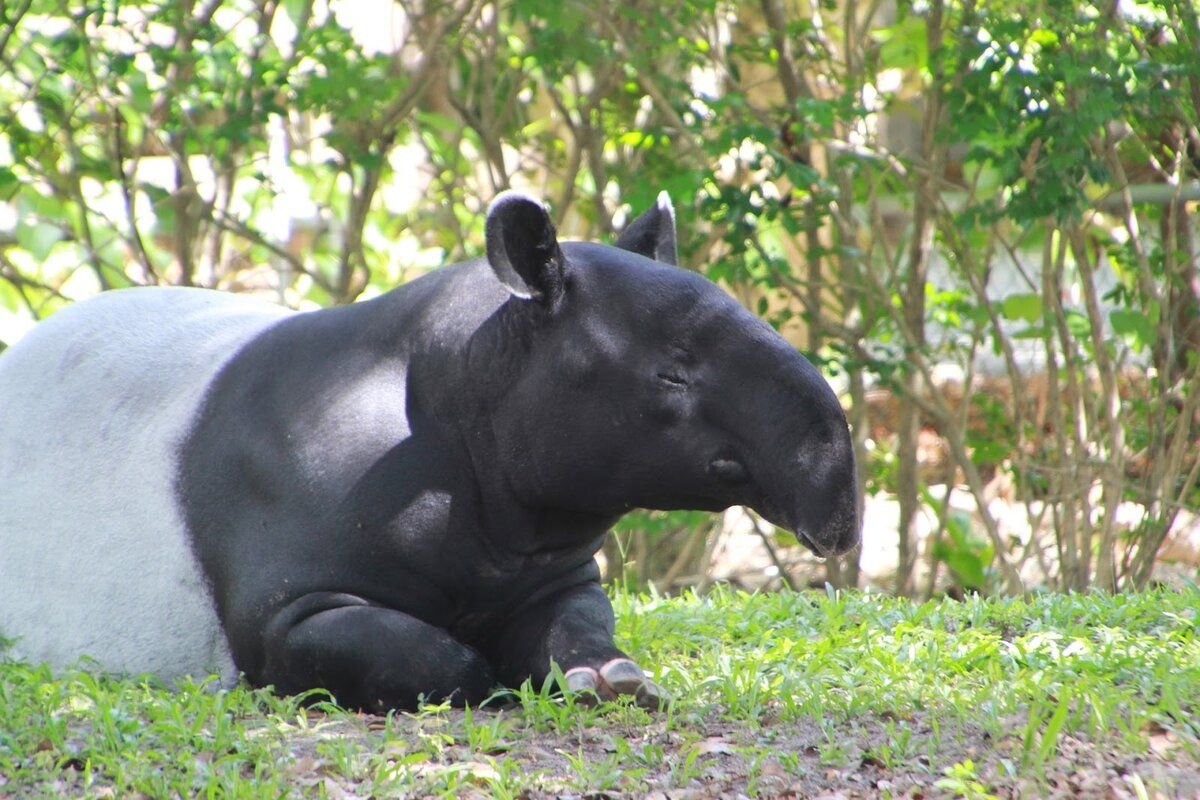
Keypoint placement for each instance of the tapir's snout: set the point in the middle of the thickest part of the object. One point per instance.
(825, 510)
(805, 467)
(841, 530)
(820, 506)
(816, 499)
(824, 505)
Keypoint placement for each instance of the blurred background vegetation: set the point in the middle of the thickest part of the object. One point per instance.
(978, 217)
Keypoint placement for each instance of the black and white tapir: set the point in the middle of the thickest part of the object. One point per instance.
(399, 498)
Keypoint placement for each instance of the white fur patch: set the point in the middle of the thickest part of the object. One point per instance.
(94, 558)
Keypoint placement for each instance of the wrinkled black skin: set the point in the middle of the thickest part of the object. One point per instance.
(402, 498)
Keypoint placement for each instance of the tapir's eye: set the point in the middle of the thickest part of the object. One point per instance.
(673, 379)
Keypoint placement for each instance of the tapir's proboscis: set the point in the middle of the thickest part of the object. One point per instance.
(402, 498)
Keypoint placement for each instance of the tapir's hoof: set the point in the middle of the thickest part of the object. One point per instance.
(583, 681)
(622, 676)
(618, 677)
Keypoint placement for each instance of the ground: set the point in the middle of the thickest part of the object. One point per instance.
(860, 759)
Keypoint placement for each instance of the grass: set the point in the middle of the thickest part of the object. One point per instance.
(776, 695)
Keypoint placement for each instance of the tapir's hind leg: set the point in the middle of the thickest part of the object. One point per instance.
(375, 659)
(573, 629)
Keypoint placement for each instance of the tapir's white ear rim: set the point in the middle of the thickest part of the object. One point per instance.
(653, 233)
(664, 204)
(522, 247)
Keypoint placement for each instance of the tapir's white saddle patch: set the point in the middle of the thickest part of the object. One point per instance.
(94, 557)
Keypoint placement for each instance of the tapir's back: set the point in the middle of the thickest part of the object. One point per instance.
(93, 554)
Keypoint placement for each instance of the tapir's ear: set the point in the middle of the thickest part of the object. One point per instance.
(522, 247)
(653, 233)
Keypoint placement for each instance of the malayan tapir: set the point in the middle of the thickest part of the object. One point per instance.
(400, 498)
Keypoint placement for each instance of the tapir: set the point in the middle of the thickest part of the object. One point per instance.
(399, 499)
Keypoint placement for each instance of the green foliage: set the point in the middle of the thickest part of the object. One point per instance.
(968, 556)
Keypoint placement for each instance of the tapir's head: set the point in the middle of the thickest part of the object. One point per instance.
(646, 385)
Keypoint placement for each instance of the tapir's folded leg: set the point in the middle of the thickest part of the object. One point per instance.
(573, 629)
(376, 659)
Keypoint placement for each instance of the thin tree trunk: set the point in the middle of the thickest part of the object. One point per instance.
(913, 313)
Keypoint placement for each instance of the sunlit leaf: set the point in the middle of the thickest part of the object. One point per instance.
(1022, 307)
(39, 238)
(1134, 327)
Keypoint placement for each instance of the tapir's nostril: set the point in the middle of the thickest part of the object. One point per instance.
(728, 470)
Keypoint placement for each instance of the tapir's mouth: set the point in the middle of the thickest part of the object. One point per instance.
(732, 471)
(772, 513)
(818, 549)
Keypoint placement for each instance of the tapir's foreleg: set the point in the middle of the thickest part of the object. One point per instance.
(371, 657)
(573, 629)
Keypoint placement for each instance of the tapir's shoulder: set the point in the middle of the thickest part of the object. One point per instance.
(344, 372)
